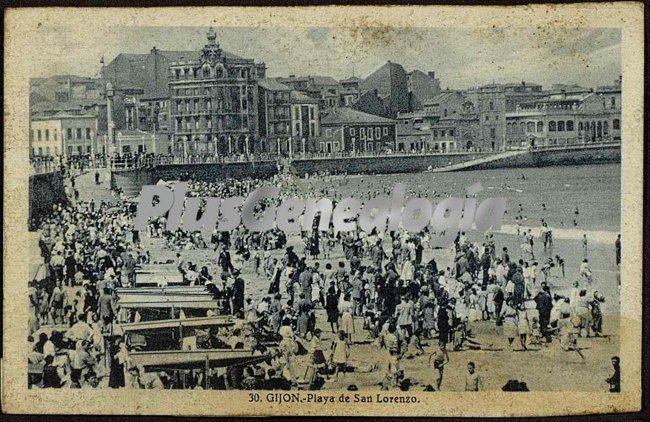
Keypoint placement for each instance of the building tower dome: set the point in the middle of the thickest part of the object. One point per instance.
(212, 37)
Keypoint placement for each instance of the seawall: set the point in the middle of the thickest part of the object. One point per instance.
(131, 181)
(575, 155)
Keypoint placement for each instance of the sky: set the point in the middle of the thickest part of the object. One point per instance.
(461, 58)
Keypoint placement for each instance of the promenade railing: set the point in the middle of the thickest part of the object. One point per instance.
(147, 161)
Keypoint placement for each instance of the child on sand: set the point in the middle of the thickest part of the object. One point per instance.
(473, 381)
(340, 353)
(440, 358)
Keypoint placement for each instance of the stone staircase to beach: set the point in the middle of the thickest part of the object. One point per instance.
(480, 162)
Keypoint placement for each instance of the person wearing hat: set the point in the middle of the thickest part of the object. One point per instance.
(237, 293)
(615, 380)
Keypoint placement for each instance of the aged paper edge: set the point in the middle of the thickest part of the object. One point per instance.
(21, 35)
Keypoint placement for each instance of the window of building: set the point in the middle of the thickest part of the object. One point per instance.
(530, 127)
(616, 124)
(369, 132)
(487, 118)
(569, 125)
(296, 130)
(328, 133)
(491, 105)
(385, 130)
(377, 133)
(443, 133)
(351, 131)
(552, 126)
(87, 133)
(312, 129)
(40, 151)
(79, 150)
(560, 126)
(38, 135)
(445, 113)
(56, 150)
(451, 132)
(47, 134)
(435, 133)
(540, 126)
(78, 133)
(605, 128)
(362, 133)
(493, 133)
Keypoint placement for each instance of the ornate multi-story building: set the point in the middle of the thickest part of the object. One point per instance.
(566, 118)
(492, 102)
(448, 122)
(214, 102)
(289, 119)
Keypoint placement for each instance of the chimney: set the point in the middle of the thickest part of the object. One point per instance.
(432, 74)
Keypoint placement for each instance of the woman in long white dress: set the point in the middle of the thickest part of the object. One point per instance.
(509, 318)
(347, 322)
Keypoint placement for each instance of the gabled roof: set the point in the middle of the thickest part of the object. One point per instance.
(324, 80)
(314, 80)
(273, 85)
(346, 115)
(132, 57)
(300, 98)
(351, 80)
(443, 96)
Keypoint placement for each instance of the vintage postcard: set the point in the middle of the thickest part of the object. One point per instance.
(323, 210)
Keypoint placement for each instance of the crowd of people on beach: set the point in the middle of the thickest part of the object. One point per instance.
(375, 287)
